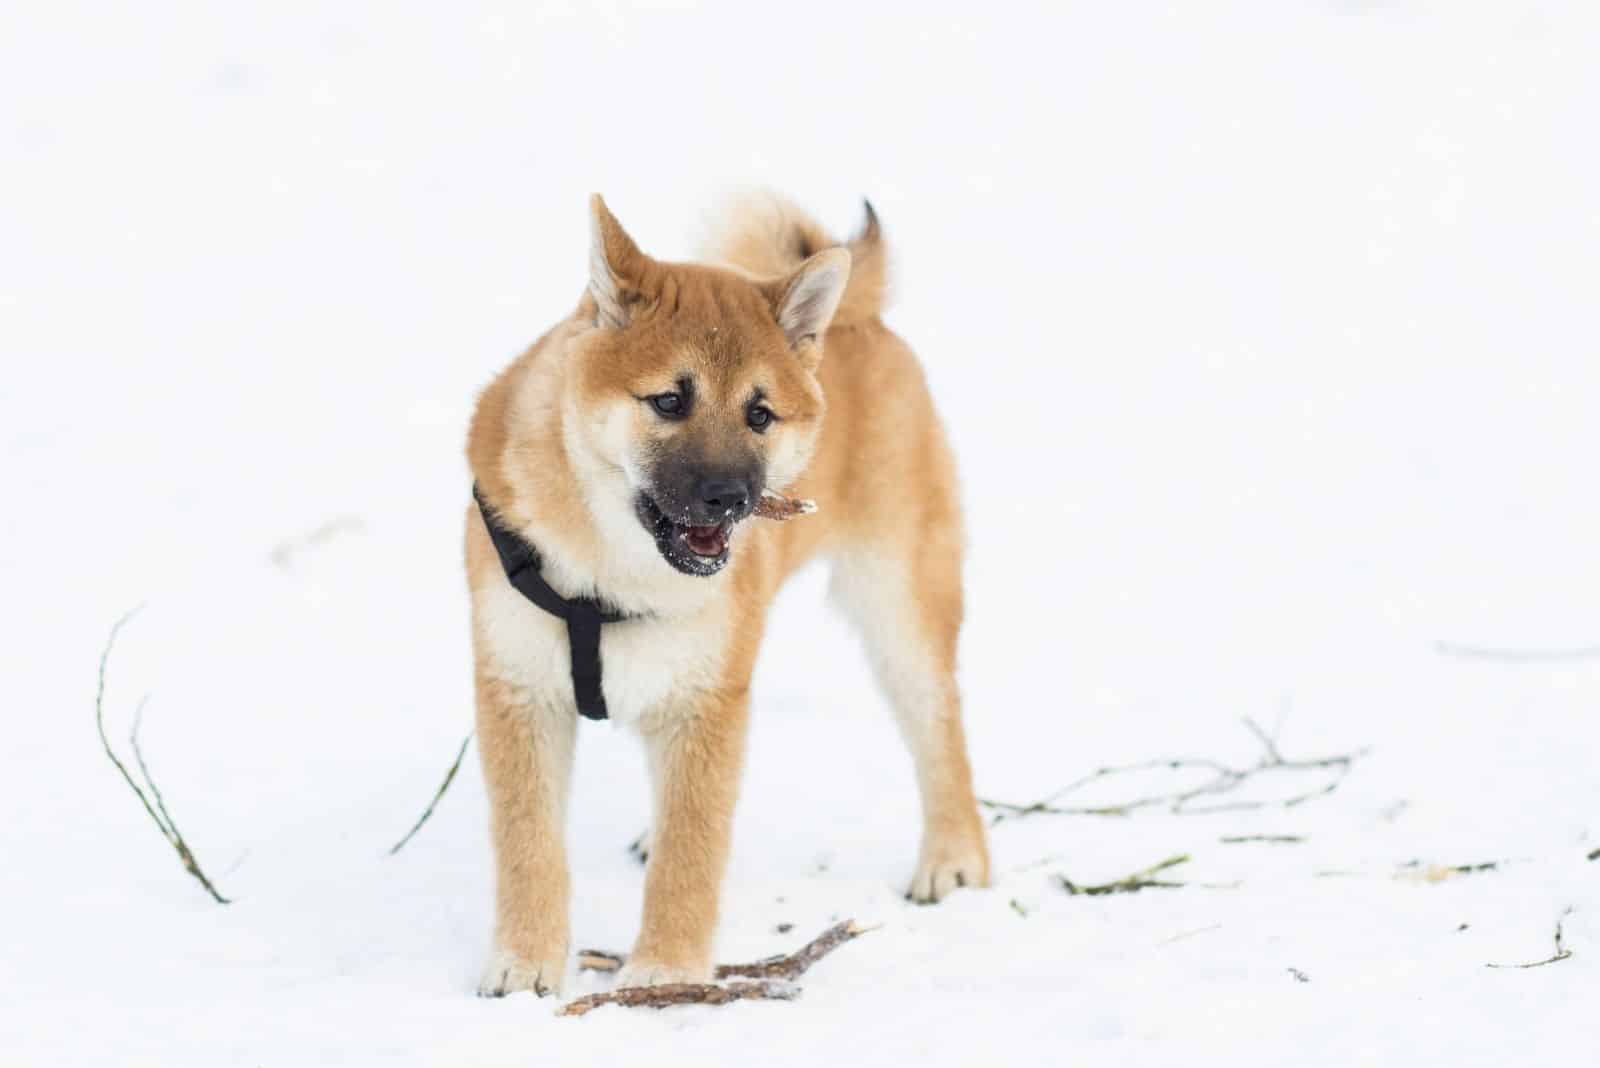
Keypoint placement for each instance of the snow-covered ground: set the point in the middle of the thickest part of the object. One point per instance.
(1267, 335)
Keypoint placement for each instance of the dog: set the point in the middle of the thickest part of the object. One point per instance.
(625, 453)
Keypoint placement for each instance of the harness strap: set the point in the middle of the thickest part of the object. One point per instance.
(583, 615)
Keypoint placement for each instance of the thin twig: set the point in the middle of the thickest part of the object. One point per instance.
(669, 994)
(1181, 935)
(437, 794)
(783, 966)
(1561, 953)
(1265, 839)
(157, 811)
(1129, 884)
(792, 966)
(1267, 741)
(144, 769)
(773, 977)
(774, 506)
(1438, 873)
(284, 553)
(1223, 779)
(171, 827)
(1516, 656)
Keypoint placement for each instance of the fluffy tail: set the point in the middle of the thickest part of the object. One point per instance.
(768, 236)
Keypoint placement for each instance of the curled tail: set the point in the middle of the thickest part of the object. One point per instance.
(768, 236)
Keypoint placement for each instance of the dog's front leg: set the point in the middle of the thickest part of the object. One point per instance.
(695, 752)
(526, 749)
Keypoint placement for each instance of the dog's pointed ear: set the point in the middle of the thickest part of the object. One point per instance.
(806, 300)
(616, 267)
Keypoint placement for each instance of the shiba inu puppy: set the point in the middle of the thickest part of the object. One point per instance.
(624, 454)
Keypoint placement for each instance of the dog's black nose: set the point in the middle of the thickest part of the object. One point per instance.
(722, 497)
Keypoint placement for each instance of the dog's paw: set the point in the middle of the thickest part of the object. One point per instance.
(948, 865)
(639, 848)
(507, 973)
(656, 973)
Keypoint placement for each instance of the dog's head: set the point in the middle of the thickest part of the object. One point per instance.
(697, 388)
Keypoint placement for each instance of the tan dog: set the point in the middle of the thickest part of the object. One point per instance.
(629, 446)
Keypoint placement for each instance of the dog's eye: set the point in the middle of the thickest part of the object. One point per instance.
(759, 418)
(669, 404)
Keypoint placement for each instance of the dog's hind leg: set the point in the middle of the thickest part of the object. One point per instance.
(905, 595)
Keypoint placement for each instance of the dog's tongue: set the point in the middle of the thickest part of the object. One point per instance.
(707, 541)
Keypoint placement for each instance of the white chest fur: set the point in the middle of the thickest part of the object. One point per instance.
(645, 662)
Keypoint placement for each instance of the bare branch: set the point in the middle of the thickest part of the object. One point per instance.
(1416, 870)
(773, 506)
(157, 811)
(669, 994)
(1222, 779)
(1561, 953)
(1181, 935)
(144, 769)
(437, 794)
(1129, 884)
(286, 552)
(170, 827)
(773, 977)
(1267, 742)
(1266, 839)
(1437, 873)
(796, 964)
(784, 966)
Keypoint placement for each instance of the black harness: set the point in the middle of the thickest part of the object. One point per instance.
(582, 614)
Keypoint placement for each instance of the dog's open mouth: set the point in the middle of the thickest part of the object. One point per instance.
(694, 550)
(707, 541)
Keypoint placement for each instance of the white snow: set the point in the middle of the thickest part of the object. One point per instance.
(1267, 337)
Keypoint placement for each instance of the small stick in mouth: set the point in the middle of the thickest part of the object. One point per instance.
(773, 506)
